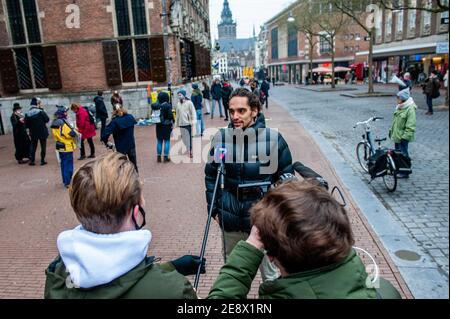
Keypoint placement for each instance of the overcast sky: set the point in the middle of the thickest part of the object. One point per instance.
(246, 13)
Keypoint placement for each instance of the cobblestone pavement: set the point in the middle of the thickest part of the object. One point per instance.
(35, 208)
(421, 203)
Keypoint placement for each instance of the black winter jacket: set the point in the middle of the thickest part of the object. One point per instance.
(216, 91)
(36, 120)
(100, 108)
(122, 129)
(236, 213)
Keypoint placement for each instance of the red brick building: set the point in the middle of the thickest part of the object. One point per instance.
(288, 48)
(87, 45)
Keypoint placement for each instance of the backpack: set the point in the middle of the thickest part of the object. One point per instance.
(378, 164)
(91, 112)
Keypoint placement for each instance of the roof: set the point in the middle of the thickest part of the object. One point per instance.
(237, 44)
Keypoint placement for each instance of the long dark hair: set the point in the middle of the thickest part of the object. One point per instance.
(205, 85)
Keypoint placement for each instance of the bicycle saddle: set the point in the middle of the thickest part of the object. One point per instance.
(379, 140)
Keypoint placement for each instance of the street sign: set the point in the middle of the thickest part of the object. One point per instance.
(441, 47)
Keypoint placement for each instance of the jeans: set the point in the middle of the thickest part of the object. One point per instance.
(430, 103)
(200, 123)
(66, 166)
(186, 136)
(91, 146)
(402, 147)
(102, 129)
(213, 106)
(34, 143)
(159, 147)
(207, 105)
(269, 271)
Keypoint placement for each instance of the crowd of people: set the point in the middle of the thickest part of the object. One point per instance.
(295, 232)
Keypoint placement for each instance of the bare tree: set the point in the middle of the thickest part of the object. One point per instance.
(306, 23)
(362, 12)
(331, 24)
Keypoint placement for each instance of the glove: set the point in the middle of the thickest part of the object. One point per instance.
(188, 265)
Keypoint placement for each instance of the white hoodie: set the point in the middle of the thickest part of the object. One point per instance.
(94, 259)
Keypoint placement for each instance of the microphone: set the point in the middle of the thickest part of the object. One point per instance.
(220, 155)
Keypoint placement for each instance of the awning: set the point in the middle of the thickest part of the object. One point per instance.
(321, 70)
(341, 69)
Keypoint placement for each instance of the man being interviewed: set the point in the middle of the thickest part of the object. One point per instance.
(106, 256)
(255, 154)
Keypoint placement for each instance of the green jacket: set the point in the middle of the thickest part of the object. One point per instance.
(346, 279)
(145, 281)
(404, 123)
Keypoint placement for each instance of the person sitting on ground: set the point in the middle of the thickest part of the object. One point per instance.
(106, 256)
(307, 233)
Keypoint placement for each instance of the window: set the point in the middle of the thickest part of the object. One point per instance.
(346, 49)
(30, 60)
(388, 25)
(444, 15)
(292, 41)
(357, 48)
(399, 22)
(23, 21)
(274, 37)
(412, 18)
(134, 53)
(325, 46)
(426, 18)
(138, 16)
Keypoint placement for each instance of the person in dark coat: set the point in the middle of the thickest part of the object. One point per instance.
(431, 90)
(265, 87)
(21, 139)
(36, 120)
(116, 99)
(165, 127)
(216, 92)
(206, 98)
(100, 110)
(227, 89)
(246, 162)
(121, 128)
(197, 100)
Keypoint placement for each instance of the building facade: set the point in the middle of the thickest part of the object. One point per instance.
(411, 40)
(49, 46)
(289, 49)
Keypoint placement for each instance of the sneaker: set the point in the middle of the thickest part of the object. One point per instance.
(82, 158)
(66, 186)
(31, 164)
(166, 159)
(158, 159)
(43, 163)
(92, 156)
(22, 161)
(226, 120)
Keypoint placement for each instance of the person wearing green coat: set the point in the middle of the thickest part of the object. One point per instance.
(403, 127)
(307, 234)
(106, 256)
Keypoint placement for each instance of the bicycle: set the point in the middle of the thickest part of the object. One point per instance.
(368, 156)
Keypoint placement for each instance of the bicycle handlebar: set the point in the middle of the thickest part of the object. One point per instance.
(372, 119)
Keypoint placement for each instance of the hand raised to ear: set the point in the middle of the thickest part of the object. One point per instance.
(254, 239)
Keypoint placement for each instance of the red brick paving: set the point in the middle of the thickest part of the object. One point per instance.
(36, 209)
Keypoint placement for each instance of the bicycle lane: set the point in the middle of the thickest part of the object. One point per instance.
(315, 153)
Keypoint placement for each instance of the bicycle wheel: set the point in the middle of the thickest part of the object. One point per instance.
(363, 151)
(390, 179)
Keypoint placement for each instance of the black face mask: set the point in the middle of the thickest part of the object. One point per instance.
(143, 216)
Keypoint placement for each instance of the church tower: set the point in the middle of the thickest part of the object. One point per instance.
(227, 27)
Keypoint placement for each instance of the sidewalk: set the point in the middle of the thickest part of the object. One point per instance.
(35, 208)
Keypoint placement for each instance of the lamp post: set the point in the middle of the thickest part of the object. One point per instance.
(167, 57)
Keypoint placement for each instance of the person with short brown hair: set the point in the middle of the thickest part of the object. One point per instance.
(106, 256)
(307, 234)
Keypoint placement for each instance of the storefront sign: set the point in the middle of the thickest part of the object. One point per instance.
(441, 47)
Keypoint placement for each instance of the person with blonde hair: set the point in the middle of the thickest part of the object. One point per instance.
(106, 256)
(121, 128)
